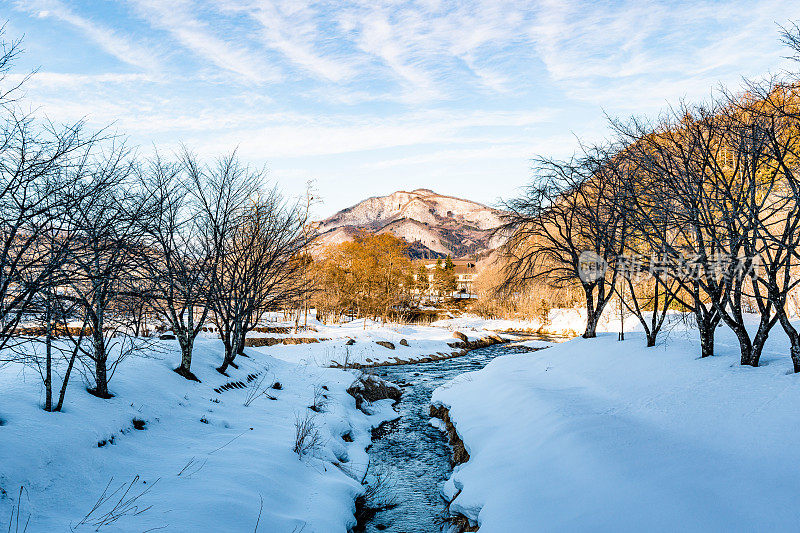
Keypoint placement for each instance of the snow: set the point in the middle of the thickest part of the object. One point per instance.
(567, 322)
(207, 459)
(419, 205)
(420, 215)
(596, 434)
(423, 341)
(587, 434)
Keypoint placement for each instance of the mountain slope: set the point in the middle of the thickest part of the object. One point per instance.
(433, 224)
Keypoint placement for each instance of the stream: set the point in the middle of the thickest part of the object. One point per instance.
(412, 455)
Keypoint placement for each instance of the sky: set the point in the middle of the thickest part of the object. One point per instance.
(368, 97)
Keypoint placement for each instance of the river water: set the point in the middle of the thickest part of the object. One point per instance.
(412, 455)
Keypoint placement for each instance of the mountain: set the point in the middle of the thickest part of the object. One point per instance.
(434, 225)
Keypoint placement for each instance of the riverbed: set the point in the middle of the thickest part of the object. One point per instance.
(409, 453)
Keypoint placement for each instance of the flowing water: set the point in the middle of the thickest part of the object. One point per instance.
(412, 455)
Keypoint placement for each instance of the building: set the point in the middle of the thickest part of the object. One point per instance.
(464, 270)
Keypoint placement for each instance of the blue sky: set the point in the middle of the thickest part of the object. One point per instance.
(369, 97)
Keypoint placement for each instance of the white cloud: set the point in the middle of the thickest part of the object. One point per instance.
(61, 80)
(197, 36)
(512, 150)
(404, 88)
(292, 29)
(293, 135)
(637, 55)
(119, 46)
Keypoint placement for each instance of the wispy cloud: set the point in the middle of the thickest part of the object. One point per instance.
(300, 135)
(120, 46)
(649, 52)
(61, 80)
(176, 18)
(389, 89)
(293, 29)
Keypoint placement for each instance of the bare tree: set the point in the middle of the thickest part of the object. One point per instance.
(775, 198)
(790, 36)
(101, 268)
(672, 209)
(716, 175)
(9, 52)
(36, 190)
(741, 180)
(260, 268)
(572, 208)
(192, 214)
(39, 186)
(310, 198)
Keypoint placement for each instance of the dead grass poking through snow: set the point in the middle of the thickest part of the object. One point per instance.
(307, 438)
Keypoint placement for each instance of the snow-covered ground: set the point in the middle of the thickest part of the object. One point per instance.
(601, 435)
(568, 322)
(203, 462)
(585, 435)
(422, 341)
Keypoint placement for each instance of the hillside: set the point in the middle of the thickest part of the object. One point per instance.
(433, 224)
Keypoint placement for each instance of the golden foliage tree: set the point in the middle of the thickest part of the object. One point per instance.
(370, 276)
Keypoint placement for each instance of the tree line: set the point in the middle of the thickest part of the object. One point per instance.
(697, 210)
(96, 240)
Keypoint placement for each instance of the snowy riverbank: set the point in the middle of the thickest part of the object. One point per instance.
(199, 457)
(605, 435)
(375, 344)
(203, 460)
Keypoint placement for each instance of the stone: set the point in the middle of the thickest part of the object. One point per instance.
(460, 336)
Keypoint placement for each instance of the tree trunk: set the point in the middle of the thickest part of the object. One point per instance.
(707, 322)
(100, 357)
(101, 379)
(794, 350)
(706, 339)
(226, 360)
(240, 344)
(233, 344)
(48, 379)
(591, 326)
(745, 346)
(591, 314)
(651, 338)
(794, 339)
(63, 392)
(758, 343)
(755, 355)
(187, 345)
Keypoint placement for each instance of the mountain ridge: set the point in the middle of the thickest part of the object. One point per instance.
(433, 224)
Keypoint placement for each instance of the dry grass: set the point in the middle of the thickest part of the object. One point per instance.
(320, 399)
(257, 388)
(307, 438)
(124, 500)
(18, 523)
(460, 523)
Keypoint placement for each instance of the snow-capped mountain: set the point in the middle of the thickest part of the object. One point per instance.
(433, 224)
